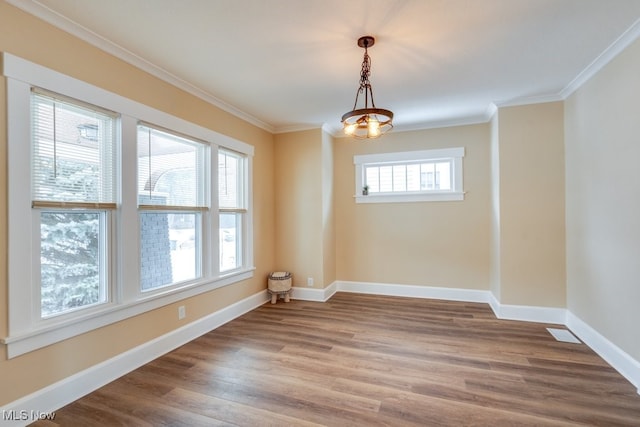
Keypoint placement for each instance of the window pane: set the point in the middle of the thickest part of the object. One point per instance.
(169, 248)
(72, 249)
(372, 178)
(170, 169)
(399, 178)
(230, 238)
(230, 180)
(386, 178)
(443, 176)
(413, 177)
(73, 152)
(426, 176)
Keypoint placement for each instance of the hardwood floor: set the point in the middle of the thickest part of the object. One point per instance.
(364, 360)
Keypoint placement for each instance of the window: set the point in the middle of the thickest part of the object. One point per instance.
(110, 215)
(413, 176)
(232, 208)
(73, 195)
(171, 194)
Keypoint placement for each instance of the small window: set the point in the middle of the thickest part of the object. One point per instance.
(413, 176)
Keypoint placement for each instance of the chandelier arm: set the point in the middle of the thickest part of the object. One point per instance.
(358, 92)
(373, 104)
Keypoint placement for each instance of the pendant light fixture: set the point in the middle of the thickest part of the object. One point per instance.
(369, 121)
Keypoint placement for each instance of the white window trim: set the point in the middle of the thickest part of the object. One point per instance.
(454, 154)
(243, 209)
(27, 333)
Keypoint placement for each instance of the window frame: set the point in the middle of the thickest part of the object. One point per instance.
(200, 209)
(240, 211)
(42, 203)
(26, 330)
(106, 254)
(454, 155)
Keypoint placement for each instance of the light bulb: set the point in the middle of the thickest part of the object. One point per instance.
(350, 128)
(373, 128)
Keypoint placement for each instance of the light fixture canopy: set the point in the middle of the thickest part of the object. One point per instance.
(369, 121)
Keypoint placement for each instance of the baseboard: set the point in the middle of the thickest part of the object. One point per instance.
(313, 294)
(59, 394)
(626, 365)
(414, 291)
(528, 313)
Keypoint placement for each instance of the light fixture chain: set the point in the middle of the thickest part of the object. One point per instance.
(365, 84)
(366, 70)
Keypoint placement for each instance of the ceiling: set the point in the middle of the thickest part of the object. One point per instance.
(294, 64)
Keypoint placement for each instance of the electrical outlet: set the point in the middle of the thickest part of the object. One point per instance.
(182, 312)
(309, 281)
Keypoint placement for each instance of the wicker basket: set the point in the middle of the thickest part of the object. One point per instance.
(280, 281)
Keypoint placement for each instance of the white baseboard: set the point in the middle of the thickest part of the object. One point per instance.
(528, 313)
(413, 291)
(63, 392)
(626, 365)
(313, 294)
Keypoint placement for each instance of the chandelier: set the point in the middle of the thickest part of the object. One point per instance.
(367, 122)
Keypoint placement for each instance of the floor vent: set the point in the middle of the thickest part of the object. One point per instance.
(563, 335)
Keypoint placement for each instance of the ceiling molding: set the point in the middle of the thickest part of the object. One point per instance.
(620, 44)
(42, 12)
(300, 128)
(530, 100)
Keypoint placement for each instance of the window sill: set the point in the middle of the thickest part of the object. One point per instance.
(111, 313)
(404, 198)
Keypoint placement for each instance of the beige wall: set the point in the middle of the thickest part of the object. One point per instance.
(29, 38)
(434, 244)
(531, 230)
(328, 212)
(298, 178)
(305, 223)
(603, 201)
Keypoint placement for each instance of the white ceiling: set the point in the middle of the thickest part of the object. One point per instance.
(294, 64)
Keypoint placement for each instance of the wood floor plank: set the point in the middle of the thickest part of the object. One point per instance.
(367, 360)
(231, 412)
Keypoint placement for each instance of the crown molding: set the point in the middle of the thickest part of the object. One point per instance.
(300, 128)
(620, 44)
(44, 13)
(530, 100)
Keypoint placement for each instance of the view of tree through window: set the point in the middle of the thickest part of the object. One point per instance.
(70, 169)
(70, 261)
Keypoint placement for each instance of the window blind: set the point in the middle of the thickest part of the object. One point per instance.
(170, 171)
(73, 153)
